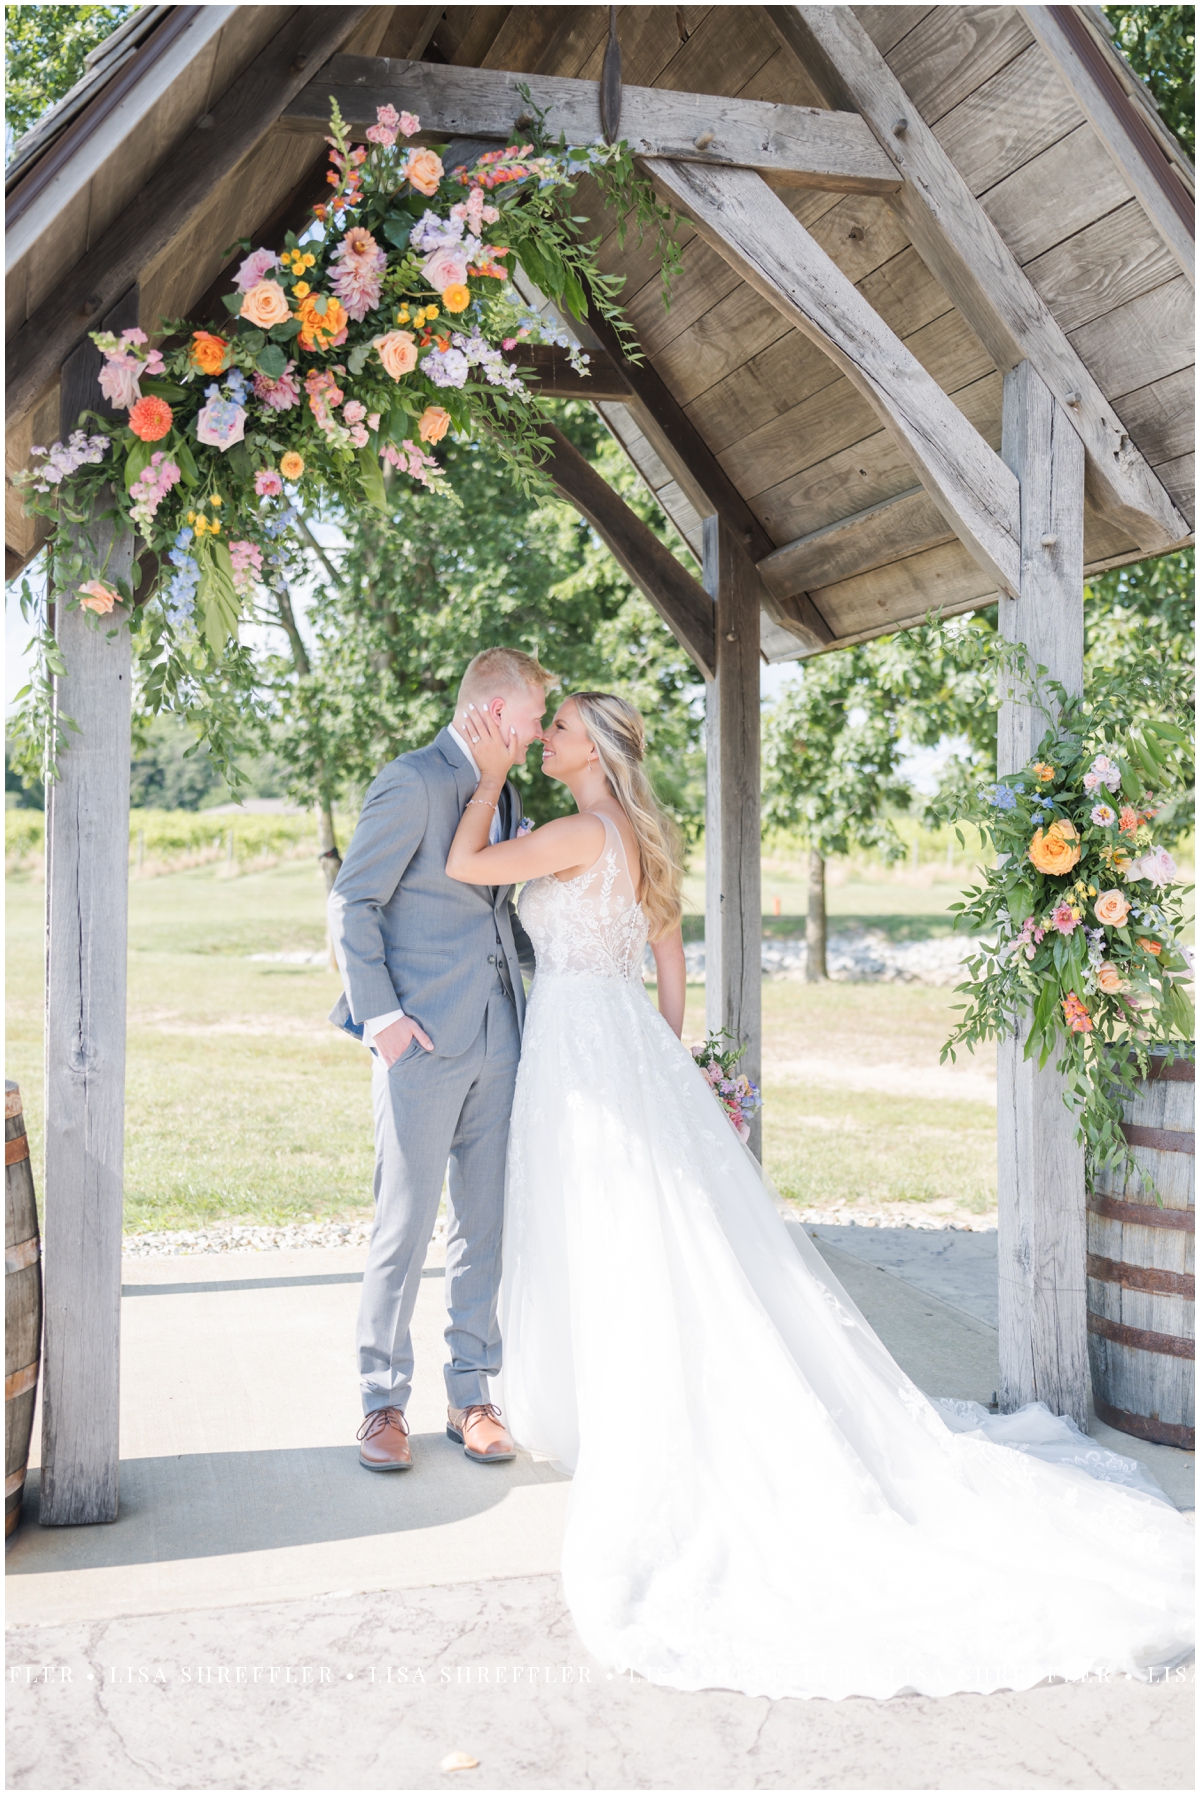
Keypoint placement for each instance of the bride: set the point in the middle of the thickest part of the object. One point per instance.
(762, 1499)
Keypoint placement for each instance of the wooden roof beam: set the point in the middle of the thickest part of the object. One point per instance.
(680, 600)
(737, 213)
(799, 146)
(868, 539)
(176, 194)
(961, 246)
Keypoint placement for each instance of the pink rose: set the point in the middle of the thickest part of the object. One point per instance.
(445, 268)
(221, 423)
(267, 483)
(119, 381)
(255, 268)
(354, 411)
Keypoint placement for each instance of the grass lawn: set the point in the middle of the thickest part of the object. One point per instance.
(244, 1104)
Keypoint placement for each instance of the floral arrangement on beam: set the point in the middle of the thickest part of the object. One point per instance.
(389, 321)
(1086, 911)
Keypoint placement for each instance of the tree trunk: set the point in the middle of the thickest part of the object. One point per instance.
(814, 928)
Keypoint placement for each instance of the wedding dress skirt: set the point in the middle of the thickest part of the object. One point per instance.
(762, 1500)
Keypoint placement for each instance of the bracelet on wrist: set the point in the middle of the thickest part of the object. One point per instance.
(482, 803)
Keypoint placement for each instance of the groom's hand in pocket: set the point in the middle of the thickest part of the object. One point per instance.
(397, 1037)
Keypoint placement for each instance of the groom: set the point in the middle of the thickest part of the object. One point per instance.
(432, 972)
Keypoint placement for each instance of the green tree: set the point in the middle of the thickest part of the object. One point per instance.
(833, 744)
(44, 50)
(415, 595)
(1159, 43)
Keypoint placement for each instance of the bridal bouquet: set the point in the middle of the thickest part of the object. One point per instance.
(737, 1095)
(1086, 910)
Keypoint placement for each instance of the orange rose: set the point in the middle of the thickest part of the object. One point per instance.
(398, 352)
(1111, 909)
(433, 425)
(210, 353)
(1151, 947)
(291, 465)
(321, 330)
(456, 297)
(1056, 849)
(266, 304)
(1108, 978)
(97, 597)
(424, 170)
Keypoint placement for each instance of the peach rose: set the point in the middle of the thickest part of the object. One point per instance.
(1111, 909)
(397, 352)
(433, 424)
(1056, 849)
(291, 465)
(97, 597)
(266, 304)
(456, 297)
(424, 170)
(210, 353)
(1150, 947)
(1108, 978)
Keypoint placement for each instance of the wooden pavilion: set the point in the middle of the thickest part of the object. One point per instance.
(931, 345)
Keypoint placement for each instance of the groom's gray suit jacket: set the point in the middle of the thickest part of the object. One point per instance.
(404, 933)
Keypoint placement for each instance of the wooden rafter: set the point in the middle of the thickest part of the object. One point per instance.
(959, 243)
(173, 198)
(736, 212)
(681, 601)
(797, 145)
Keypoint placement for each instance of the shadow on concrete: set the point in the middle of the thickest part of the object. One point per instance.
(215, 1286)
(211, 1504)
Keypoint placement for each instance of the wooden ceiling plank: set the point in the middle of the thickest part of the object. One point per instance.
(954, 50)
(1085, 185)
(679, 599)
(887, 26)
(1141, 341)
(1179, 478)
(1126, 137)
(945, 579)
(523, 39)
(1118, 258)
(886, 532)
(1007, 121)
(178, 191)
(968, 482)
(1162, 416)
(954, 235)
(805, 146)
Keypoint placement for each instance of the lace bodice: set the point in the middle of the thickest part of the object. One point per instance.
(592, 923)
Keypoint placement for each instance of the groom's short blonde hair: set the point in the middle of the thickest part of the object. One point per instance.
(499, 670)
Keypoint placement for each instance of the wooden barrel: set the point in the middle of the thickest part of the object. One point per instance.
(1141, 1268)
(22, 1304)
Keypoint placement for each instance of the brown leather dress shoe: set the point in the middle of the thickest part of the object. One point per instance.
(481, 1433)
(384, 1437)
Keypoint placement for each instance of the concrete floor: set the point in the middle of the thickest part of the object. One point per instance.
(264, 1614)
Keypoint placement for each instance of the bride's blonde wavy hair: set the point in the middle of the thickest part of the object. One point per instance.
(617, 733)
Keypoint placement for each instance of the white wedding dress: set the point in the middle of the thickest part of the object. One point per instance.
(762, 1499)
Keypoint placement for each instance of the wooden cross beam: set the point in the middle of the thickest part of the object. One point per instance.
(962, 247)
(736, 212)
(799, 146)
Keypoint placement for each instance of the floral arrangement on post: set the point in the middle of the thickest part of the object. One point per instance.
(737, 1095)
(1086, 910)
(348, 356)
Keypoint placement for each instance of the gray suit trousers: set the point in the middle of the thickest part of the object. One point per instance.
(430, 1109)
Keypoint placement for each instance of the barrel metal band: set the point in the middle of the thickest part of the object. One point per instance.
(1141, 1215)
(14, 1482)
(1142, 1277)
(1171, 1346)
(1162, 1140)
(16, 1150)
(24, 1254)
(1143, 1427)
(21, 1381)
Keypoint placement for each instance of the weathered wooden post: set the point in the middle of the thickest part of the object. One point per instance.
(1042, 1225)
(733, 872)
(87, 878)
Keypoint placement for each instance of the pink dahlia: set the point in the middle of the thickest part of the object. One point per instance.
(278, 395)
(359, 265)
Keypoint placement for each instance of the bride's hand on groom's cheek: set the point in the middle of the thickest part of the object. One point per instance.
(493, 744)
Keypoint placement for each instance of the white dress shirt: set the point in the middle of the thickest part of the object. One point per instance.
(376, 1023)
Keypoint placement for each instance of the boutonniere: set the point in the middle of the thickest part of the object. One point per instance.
(524, 827)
